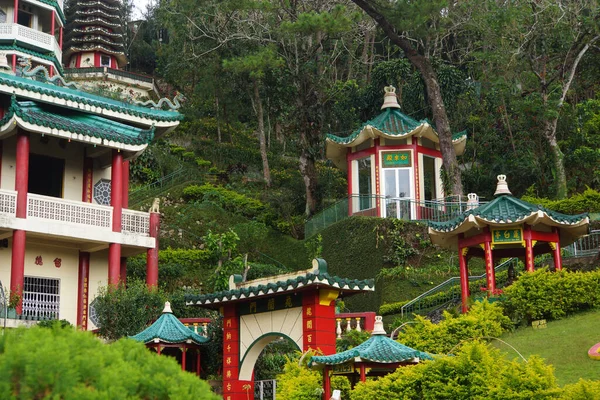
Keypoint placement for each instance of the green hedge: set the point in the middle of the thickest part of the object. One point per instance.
(588, 201)
(231, 201)
(551, 295)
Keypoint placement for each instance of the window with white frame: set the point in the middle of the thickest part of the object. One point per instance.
(41, 297)
(104, 61)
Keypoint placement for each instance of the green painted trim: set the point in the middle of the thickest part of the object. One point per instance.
(52, 58)
(276, 334)
(54, 4)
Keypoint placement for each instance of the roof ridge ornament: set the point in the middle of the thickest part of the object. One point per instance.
(167, 308)
(378, 327)
(390, 100)
(502, 186)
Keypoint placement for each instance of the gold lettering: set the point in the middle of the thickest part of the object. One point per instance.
(288, 301)
(228, 361)
(309, 338)
(228, 323)
(309, 324)
(309, 311)
(271, 304)
(228, 336)
(253, 307)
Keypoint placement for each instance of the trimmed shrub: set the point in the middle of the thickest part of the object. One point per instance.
(582, 390)
(483, 320)
(588, 201)
(63, 363)
(551, 295)
(476, 372)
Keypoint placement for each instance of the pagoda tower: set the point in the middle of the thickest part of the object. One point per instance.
(94, 35)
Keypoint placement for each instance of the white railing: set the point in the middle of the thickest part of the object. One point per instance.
(30, 36)
(8, 202)
(75, 212)
(135, 222)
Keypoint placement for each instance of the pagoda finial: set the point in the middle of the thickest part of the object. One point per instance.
(502, 187)
(167, 308)
(389, 98)
(378, 327)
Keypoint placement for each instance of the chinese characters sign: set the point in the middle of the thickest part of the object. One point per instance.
(271, 304)
(395, 159)
(504, 236)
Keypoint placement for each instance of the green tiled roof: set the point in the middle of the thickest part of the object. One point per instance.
(168, 329)
(77, 122)
(321, 279)
(88, 98)
(54, 4)
(506, 209)
(378, 348)
(391, 122)
(14, 46)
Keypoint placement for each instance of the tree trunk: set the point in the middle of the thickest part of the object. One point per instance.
(309, 175)
(261, 133)
(558, 158)
(217, 118)
(434, 94)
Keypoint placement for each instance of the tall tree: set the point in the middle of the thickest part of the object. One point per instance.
(416, 27)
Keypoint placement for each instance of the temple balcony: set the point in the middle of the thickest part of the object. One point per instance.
(35, 39)
(88, 224)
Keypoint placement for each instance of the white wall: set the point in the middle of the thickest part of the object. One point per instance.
(98, 277)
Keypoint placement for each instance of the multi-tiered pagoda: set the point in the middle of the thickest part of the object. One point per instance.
(94, 35)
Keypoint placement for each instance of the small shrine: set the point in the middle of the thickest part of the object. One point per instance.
(378, 356)
(393, 163)
(298, 306)
(506, 227)
(169, 336)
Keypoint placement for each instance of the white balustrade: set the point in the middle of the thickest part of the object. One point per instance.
(135, 222)
(8, 202)
(70, 211)
(30, 36)
(338, 330)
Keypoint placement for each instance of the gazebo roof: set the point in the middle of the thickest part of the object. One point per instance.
(391, 123)
(168, 329)
(507, 211)
(377, 349)
(280, 284)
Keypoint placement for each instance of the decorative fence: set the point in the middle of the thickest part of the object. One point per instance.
(586, 246)
(76, 212)
(8, 202)
(265, 390)
(361, 321)
(401, 208)
(135, 222)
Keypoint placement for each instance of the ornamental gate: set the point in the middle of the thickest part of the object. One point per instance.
(298, 306)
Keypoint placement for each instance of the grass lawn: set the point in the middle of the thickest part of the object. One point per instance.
(564, 344)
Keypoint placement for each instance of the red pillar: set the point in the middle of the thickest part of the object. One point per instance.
(116, 201)
(318, 319)
(52, 22)
(556, 252)
(490, 274)
(529, 266)
(60, 37)
(198, 363)
(125, 184)
(16, 12)
(363, 373)
(82, 292)
(377, 178)
(152, 254)
(326, 383)
(464, 278)
(231, 354)
(17, 265)
(183, 351)
(14, 62)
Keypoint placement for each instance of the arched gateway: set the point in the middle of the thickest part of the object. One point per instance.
(299, 306)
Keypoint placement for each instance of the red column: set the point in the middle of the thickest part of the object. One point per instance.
(152, 254)
(377, 177)
(556, 252)
(363, 373)
(22, 173)
(529, 266)
(52, 22)
(51, 72)
(326, 383)
(231, 354)
(82, 292)
(125, 184)
(60, 37)
(490, 274)
(17, 264)
(14, 62)
(183, 351)
(16, 12)
(349, 179)
(116, 201)
(198, 363)
(464, 278)
(318, 319)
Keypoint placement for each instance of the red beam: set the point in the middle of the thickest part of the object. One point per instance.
(429, 152)
(474, 240)
(361, 154)
(544, 236)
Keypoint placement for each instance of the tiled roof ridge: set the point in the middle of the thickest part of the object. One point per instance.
(88, 99)
(167, 328)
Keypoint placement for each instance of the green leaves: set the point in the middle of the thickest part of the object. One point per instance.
(255, 64)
